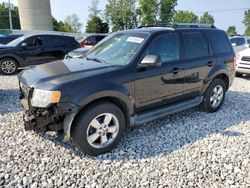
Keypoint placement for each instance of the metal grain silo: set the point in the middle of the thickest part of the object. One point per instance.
(35, 14)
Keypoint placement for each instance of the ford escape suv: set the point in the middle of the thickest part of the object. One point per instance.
(129, 78)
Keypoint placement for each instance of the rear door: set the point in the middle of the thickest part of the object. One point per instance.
(198, 62)
(156, 86)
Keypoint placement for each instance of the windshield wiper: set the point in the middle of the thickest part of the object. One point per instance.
(95, 59)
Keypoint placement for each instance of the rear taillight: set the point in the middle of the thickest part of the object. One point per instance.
(234, 61)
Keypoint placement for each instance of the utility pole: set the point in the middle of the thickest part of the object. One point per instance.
(10, 17)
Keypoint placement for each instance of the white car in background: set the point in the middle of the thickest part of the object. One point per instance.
(243, 62)
(239, 43)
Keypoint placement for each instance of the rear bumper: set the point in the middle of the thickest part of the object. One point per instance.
(243, 67)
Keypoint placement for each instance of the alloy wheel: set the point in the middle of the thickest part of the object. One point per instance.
(217, 96)
(8, 67)
(102, 130)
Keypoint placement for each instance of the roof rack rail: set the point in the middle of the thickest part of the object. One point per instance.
(193, 25)
(180, 25)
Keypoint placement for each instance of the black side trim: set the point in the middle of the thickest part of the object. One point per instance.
(156, 114)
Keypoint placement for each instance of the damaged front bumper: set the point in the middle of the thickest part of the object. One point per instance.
(58, 118)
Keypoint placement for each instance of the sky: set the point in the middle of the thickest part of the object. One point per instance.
(223, 19)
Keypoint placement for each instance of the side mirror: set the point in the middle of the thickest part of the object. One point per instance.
(24, 45)
(233, 44)
(150, 60)
(247, 45)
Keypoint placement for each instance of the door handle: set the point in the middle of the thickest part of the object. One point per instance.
(175, 70)
(210, 64)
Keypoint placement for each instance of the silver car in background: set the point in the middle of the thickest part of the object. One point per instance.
(239, 43)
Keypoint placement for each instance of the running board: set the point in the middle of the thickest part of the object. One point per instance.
(159, 113)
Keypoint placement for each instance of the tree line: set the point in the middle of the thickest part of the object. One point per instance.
(125, 14)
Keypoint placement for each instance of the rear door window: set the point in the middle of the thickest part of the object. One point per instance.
(195, 45)
(219, 42)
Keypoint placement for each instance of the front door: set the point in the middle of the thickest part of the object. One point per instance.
(33, 52)
(156, 86)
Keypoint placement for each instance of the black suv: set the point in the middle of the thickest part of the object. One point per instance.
(34, 49)
(130, 78)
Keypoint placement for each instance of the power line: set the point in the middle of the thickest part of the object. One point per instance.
(222, 10)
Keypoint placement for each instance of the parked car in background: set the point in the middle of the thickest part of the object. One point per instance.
(91, 40)
(156, 71)
(34, 49)
(239, 43)
(5, 39)
(243, 63)
(77, 53)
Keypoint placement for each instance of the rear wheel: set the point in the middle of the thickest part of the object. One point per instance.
(214, 96)
(98, 128)
(8, 66)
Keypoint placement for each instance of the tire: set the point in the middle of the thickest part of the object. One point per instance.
(237, 74)
(208, 104)
(89, 128)
(8, 66)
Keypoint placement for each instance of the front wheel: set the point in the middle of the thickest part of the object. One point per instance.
(98, 128)
(214, 96)
(8, 66)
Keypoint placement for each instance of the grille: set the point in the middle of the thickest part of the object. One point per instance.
(245, 58)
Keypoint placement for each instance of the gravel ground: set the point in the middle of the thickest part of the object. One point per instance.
(186, 149)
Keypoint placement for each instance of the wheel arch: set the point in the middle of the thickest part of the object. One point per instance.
(223, 75)
(11, 57)
(122, 100)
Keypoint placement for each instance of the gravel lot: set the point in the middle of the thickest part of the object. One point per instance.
(187, 149)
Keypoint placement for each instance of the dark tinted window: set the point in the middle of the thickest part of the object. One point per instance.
(35, 41)
(233, 40)
(92, 40)
(248, 41)
(55, 41)
(99, 38)
(195, 45)
(165, 47)
(240, 41)
(219, 42)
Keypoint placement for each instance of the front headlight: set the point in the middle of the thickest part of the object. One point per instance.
(42, 98)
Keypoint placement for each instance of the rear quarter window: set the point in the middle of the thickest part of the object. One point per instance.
(219, 42)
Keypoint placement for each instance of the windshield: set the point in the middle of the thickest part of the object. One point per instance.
(16, 41)
(118, 49)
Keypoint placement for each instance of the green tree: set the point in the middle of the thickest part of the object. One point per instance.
(148, 10)
(246, 22)
(93, 9)
(182, 16)
(74, 21)
(61, 26)
(95, 25)
(167, 10)
(206, 18)
(4, 18)
(231, 30)
(121, 14)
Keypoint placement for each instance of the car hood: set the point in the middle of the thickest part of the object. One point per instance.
(48, 75)
(4, 47)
